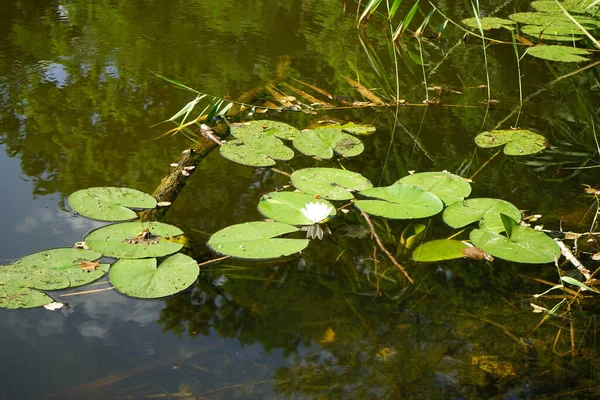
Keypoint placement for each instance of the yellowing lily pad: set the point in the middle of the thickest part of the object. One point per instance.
(143, 279)
(265, 128)
(400, 201)
(256, 150)
(559, 53)
(518, 142)
(135, 240)
(321, 143)
(439, 250)
(448, 187)
(286, 207)
(110, 203)
(488, 211)
(256, 240)
(329, 183)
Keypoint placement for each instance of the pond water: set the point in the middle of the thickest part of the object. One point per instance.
(79, 106)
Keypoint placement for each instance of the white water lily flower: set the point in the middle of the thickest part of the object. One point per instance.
(54, 306)
(316, 212)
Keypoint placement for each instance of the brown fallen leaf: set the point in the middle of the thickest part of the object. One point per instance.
(89, 266)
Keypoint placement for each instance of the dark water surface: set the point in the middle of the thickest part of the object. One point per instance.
(79, 99)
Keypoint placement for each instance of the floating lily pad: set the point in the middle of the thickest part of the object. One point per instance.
(558, 33)
(525, 245)
(329, 183)
(486, 210)
(518, 142)
(256, 240)
(448, 187)
(544, 19)
(53, 269)
(559, 53)
(22, 297)
(400, 201)
(286, 207)
(439, 250)
(264, 127)
(256, 150)
(110, 203)
(351, 127)
(572, 6)
(488, 23)
(321, 143)
(142, 279)
(134, 240)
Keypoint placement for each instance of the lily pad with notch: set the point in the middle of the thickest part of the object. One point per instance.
(400, 201)
(256, 240)
(135, 240)
(256, 150)
(517, 142)
(142, 278)
(487, 211)
(329, 183)
(448, 187)
(54, 269)
(439, 250)
(322, 143)
(264, 128)
(110, 203)
(285, 207)
(559, 53)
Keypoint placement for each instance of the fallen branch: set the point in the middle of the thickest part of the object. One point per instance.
(566, 252)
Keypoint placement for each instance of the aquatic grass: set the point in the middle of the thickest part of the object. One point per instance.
(477, 16)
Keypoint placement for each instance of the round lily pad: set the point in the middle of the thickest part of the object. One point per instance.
(110, 203)
(400, 201)
(559, 53)
(525, 245)
(142, 279)
(486, 210)
(264, 127)
(22, 297)
(439, 250)
(256, 150)
(256, 240)
(329, 183)
(134, 240)
(573, 6)
(558, 33)
(286, 207)
(488, 23)
(448, 187)
(518, 142)
(54, 269)
(321, 143)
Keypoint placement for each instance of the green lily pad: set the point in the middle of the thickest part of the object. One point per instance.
(256, 240)
(264, 127)
(142, 279)
(559, 53)
(525, 245)
(518, 142)
(110, 203)
(256, 150)
(22, 297)
(572, 6)
(488, 23)
(439, 250)
(351, 128)
(53, 269)
(134, 240)
(321, 143)
(400, 201)
(329, 183)
(545, 19)
(558, 33)
(448, 187)
(286, 207)
(486, 210)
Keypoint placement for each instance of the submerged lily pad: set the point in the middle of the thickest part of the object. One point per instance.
(256, 240)
(400, 201)
(142, 279)
(321, 143)
(488, 23)
(264, 127)
(53, 269)
(134, 240)
(518, 142)
(439, 250)
(486, 210)
(110, 203)
(286, 207)
(448, 187)
(525, 245)
(329, 183)
(559, 53)
(558, 33)
(22, 297)
(256, 150)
